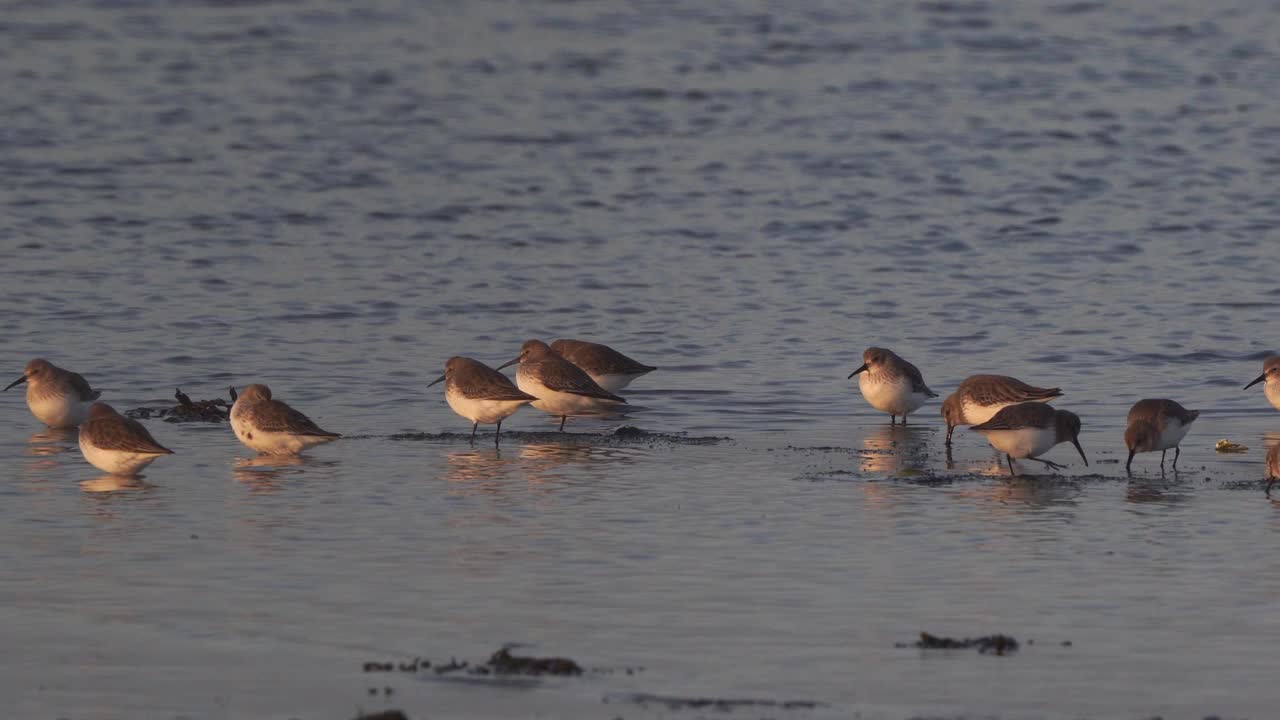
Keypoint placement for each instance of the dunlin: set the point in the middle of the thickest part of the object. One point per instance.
(116, 444)
(58, 398)
(1027, 430)
(891, 384)
(980, 397)
(272, 427)
(1273, 467)
(561, 387)
(1271, 377)
(609, 368)
(480, 394)
(1157, 425)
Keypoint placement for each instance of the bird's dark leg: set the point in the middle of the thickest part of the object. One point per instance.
(562, 419)
(904, 418)
(893, 419)
(473, 432)
(1162, 454)
(1048, 463)
(497, 434)
(1010, 459)
(1270, 482)
(950, 429)
(1177, 450)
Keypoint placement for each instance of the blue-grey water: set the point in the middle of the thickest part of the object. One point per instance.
(334, 199)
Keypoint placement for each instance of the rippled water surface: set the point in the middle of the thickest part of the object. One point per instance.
(333, 200)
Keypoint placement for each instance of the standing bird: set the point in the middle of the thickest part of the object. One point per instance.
(561, 387)
(116, 444)
(891, 384)
(1271, 377)
(1157, 425)
(609, 368)
(1273, 467)
(1030, 429)
(58, 398)
(272, 427)
(480, 394)
(980, 397)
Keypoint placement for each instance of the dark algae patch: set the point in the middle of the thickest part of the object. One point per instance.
(986, 644)
(672, 702)
(623, 436)
(502, 662)
(216, 410)
(384, 715)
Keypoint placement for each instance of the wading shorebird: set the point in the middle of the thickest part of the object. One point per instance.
(480, 394)
(1028, 430)
(116, 444)
(1270, 378)
(1157, 425)
(272, 427)
(561, 387)
(980, 397)
(609, 368)
(58, 398)
(890, 384)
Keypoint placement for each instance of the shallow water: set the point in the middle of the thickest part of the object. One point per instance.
(334, 200)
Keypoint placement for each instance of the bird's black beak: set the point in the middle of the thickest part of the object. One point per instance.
(1076, 442)
(861, 368)
(1256, 380)
(19, 381)
(508, 363)
(437, 380)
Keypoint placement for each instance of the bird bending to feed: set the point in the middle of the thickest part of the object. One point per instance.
(891, 384)
(561, 387)
(1157, 425)
(58, 398)
(1028, 430)
(1273, 467)
(116, 444)
(609, 368)
(480, 394)
(272, 427)
(1270, 378)
(980, 397)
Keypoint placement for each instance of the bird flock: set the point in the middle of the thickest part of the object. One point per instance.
(570, 378)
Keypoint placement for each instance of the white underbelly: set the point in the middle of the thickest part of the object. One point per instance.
(116, 462)
(58, 411)
(975, 414)
(274, 443)
(1022, 443)
(1172, 434)
(482, 411)
(613, 382)
(1272, 390)
(562, 403)
(893, 397)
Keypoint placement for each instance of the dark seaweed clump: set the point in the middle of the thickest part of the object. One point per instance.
(216, 410)
(987, 644)
(501, 662)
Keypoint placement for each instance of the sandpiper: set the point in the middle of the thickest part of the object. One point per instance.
(980, 397)
(1273, 467)
(891, 384)
(58, 398)
(272, 427)
(1271, 377)
(561, 387)
(480, 394)
(609, 368)
(1029, 429)
(1157, 425)
(116, 444)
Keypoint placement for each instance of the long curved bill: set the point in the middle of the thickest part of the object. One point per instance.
(436, 381)
(1076, 442)
(19, 381)
(1256, 380)
(509, 363)
(861, 368)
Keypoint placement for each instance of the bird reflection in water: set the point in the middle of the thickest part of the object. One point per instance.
(890, 449)
(50, 442)
(114, 483)
(265, 473)
(1156, 490)
(490, 471)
